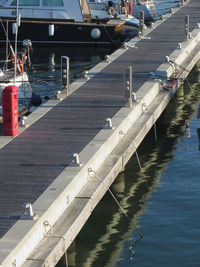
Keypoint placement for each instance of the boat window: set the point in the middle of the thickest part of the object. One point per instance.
(52, 2)
(26, 2)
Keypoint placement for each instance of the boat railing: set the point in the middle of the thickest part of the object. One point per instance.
(6, 66)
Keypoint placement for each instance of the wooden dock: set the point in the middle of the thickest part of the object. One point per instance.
(37, 166)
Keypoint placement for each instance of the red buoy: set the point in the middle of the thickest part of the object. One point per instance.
(10, 110)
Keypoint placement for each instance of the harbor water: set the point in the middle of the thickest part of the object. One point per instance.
(45, 69)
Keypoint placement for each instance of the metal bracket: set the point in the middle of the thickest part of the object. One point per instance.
(109, 124)
(76, 160)
(85, 75)
(179, 46)
(57, 96)
(144, 107)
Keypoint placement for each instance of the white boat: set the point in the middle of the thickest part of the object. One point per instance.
(127, 7)
(153, 9)
(21, 81)
(59, 22)
(104, 9)
(148, 7)
(164, 6)
(122, 10)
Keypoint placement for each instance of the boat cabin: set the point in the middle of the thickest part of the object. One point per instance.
(72, 10)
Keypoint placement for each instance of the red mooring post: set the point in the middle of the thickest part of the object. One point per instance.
(10, 110)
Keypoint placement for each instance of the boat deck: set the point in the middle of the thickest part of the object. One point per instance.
(32, 160)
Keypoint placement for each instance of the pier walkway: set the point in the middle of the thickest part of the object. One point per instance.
(31, 162)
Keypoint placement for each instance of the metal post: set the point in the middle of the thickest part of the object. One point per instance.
(65, 73)
(6, 45)
(186, 27)
(141, 23)
(128, 87)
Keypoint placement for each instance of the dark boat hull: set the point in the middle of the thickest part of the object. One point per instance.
(65, 33)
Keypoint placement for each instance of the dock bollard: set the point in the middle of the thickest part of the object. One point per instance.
(85, 75)
(29, 214)
(76, 160)
(65, 73)
(179, 46)
(134, 97)
(58, 95)
(23, 121)
(128, 86)
(107, 58)
(109, 124)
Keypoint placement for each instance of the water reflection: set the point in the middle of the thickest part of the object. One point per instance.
(44, 72)
(109, 238)
(198, 133)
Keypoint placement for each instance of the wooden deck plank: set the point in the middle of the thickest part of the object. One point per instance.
(37, 156)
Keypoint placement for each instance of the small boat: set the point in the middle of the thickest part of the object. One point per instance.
(104, 9)
(128, 7)
(59, 22)
(153, 9)
(165, 6)
(148, 7)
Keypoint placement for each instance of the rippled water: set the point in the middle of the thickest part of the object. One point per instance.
(45, 71)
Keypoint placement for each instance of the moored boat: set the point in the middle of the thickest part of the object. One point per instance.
(59, 22)
(12, 72)
(104, 9)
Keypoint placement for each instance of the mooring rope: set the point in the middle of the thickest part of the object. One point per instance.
(90, 171)
(50, 234)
